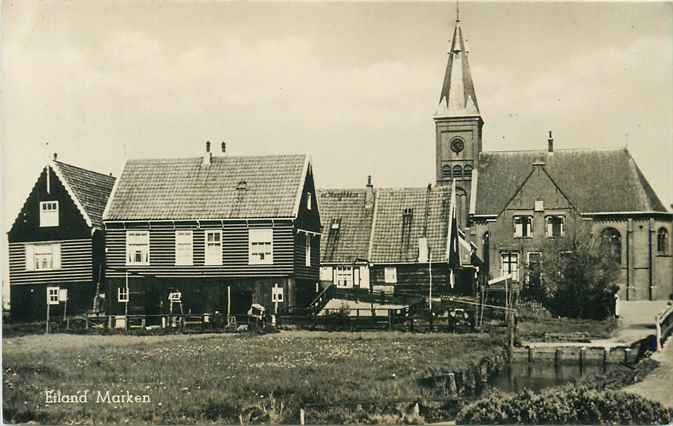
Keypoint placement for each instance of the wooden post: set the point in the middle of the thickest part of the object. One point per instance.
(47, 329)
(582, 360)
(228, 303)
(657, 321)
(302, 416)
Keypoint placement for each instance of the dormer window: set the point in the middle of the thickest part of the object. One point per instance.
(242, 186)
(523, 226)
(48, 213)
(336, 224)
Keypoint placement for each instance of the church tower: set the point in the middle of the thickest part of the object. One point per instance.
(458, 122)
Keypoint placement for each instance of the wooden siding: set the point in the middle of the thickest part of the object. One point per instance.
(76, 264)
(308, 219)
(26, 227)
(414, 279)
(234, 250)
(302, 271)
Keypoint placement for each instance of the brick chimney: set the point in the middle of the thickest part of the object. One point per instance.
(207, 156)
(369, 193)
(550, 144)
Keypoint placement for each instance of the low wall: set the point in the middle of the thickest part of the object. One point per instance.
(559, 354)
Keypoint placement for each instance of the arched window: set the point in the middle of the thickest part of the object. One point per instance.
(461, 206)
(446, 171)
(467, 171)
(662, 241)
(457, 171)
(611, 240)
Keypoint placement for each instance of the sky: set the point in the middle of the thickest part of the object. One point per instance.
(353, 84)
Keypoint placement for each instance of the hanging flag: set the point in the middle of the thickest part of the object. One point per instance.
(453, 249)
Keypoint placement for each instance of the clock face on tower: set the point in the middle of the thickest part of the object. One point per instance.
(457, 145)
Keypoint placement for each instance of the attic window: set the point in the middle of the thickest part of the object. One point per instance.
(48, 213)
(242, 186)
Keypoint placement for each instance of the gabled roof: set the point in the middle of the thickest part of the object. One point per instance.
(88, 189)
(393, 241)
(593, 180)
(346, 209)
(229, 188)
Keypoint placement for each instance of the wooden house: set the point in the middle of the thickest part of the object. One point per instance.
(222, 231)
(390, 239)
(57, 240)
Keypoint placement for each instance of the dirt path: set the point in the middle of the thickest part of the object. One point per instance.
(658, 385)
(41, 342)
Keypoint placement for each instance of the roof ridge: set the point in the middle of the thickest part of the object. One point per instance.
(544, 151)
(217, 157)
(59, 163)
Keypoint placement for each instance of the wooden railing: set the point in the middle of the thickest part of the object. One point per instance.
(664, 323)
(321, 300)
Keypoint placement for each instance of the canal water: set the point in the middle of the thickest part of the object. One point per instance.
(537, 376)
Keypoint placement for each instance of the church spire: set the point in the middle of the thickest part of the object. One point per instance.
(457, 97)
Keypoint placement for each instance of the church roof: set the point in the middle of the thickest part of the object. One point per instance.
(593, 180)
(457, 98)
(229, 188)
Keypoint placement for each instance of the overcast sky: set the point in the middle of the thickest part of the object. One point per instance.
(355, 85)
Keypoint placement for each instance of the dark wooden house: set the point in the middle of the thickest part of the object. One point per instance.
(389, 239)
(57, 240)
(223, 231)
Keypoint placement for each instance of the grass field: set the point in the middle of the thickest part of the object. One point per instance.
(534, 329)
(263, 379)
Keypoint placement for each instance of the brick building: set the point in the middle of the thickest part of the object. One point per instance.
(511, 202)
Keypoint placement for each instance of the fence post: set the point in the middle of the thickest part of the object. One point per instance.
(657, 321)
(302, 415)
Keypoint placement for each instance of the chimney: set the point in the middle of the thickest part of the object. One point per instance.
(224, 147)
(55, 156)
(207, 156)
(550, 144)
(369, 193)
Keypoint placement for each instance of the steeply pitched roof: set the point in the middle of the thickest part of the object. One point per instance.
(594, 180)
(351, 240)
(89, 189)
(458, 97)
(229, 188)
(394, 242)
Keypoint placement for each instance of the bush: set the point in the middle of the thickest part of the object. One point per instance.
(566, 405)
(579, 278)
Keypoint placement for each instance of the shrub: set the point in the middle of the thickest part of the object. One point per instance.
(566, 405)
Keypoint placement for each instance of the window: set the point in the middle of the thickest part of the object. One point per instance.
(52, 295)
(467, 171)
(457, 171)
(446, 171)
(555, 226)
(510, 264)
(423, 250)
(137, 247)
(309, 201)
(356, 277)
(662, 241)
(307, 244)
(390, 275)
(48, 213)
(523, 226)
(43, 257)
(344, 276)
(213, 247)
(534, 265)
(276, 293)
(261, 246)
(184, 248)
(539, 205)
(123, 295)
(326, 273)
(611, 242)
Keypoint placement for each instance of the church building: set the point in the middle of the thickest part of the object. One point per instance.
(511, 202)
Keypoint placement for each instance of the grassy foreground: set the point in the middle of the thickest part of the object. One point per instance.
(262, 379)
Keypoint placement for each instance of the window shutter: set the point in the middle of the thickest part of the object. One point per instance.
(30, 257)
(56, 255)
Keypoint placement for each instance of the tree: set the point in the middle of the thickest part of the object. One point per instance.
(579, 278)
